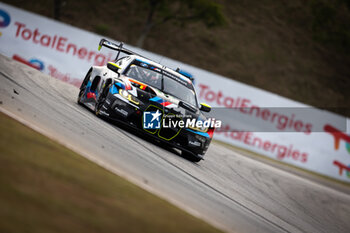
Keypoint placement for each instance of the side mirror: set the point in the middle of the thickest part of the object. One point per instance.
(187, 106)
(114, 67)
(205, 107)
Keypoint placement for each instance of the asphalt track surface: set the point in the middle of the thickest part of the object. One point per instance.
(227, 189)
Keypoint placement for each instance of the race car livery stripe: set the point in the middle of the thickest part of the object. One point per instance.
(113, 89)
(127, 86)
(206, 105)
(165, 103)
(211, 132)
(162, 102)
(184, 79)
(200, 133)
(142, 61)
(120, 85)
(142, 85)
(115, 65)
(157, 99)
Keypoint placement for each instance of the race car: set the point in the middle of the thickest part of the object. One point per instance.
(149, 97)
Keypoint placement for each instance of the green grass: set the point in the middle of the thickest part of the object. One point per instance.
(45, 187)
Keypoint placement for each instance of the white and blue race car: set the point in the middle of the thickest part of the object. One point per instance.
(150, 97)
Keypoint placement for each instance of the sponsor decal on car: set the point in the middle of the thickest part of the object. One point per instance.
(122, 111)
(196, 143)
(151, 120)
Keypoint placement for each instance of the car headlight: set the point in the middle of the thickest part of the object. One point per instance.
(196, 128)
(201, 129)
(126, 95)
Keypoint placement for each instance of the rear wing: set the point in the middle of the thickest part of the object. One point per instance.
(116, 47)
(120, 48)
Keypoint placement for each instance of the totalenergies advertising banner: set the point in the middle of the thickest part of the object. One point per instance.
(253, 119)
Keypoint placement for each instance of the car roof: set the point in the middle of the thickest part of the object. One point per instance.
(155, 64)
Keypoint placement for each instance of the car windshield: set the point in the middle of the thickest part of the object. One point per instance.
(145, 75)
(179, 90)
(162, 80)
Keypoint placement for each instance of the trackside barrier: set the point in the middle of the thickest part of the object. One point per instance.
(253, 119)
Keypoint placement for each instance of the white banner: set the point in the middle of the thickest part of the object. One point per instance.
(281, 129)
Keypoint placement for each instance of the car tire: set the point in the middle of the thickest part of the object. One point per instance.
(83, 88)
(98, 106)
(80, 96)
(101, 100)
